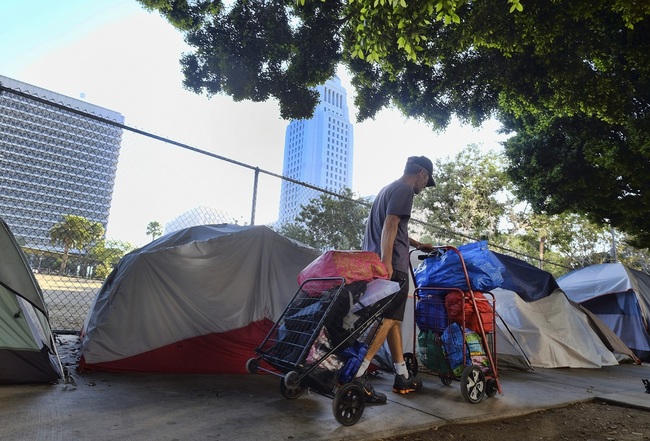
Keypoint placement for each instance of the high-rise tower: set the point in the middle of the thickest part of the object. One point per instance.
(317, 151)
(54, 162)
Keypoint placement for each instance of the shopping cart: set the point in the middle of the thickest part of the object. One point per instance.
(455, 332)
(321, 339)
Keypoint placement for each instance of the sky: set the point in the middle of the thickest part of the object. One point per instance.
(117, 55)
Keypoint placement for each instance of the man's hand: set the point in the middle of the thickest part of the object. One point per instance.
(426, 247)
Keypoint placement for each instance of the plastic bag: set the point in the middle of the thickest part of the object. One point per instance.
(352, 265)
(354, 355)
(456, 301)
(376, 290)
(431, 314)
(432, 353)
(452, 340)
(446, 271)
(477, 354)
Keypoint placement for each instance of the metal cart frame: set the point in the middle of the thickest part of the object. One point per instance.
(476, 382)
(318, 343)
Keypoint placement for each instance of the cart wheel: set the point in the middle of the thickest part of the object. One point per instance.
(411, 363)
(447, 379)
(491, 388)
(472, 384)
(292, 380)
(290, 393)
(348, 404)
(252, 365)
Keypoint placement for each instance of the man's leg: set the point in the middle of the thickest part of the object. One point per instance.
(382, 333)
(404, 382)
(370, 396)
(394, 340)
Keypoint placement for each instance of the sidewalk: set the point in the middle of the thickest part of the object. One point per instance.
(135, 407)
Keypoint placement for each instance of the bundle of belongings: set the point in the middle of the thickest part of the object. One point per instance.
(329, 322)
(452, 315)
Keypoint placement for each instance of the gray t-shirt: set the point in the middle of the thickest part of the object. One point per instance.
(395, 198)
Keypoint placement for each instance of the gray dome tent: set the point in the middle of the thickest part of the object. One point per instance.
(198, 300)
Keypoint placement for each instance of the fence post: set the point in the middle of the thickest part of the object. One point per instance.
(254, 203)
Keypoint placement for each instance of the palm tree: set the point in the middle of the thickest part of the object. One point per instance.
(154, 229)
(74, 232)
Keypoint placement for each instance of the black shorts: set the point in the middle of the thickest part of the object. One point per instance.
(397, 305)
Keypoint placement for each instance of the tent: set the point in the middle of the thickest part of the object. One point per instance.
(537, 318)
(550, 332)
(545, 325)
(198, 300)
(27, 346)
(619, 296)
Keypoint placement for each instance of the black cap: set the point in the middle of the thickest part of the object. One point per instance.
(426, 164)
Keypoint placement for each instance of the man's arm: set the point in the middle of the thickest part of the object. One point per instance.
(426, 247)
(388, 235)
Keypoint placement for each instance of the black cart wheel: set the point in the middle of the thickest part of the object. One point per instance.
(447, 379)
(348, 404)
(491, 388)
(411, 363)
(292, 380)
(290, 393)
(252, 365)
(472, 384)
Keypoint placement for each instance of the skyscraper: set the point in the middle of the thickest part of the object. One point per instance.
(317, 151)
(53, 161)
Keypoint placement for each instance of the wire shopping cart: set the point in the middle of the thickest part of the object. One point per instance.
(321, 338)
(455, 332)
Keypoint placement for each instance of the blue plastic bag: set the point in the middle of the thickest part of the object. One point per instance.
(431, 313)
(452, 340)
(445, 271)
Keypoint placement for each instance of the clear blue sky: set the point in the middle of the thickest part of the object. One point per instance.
(114, 54)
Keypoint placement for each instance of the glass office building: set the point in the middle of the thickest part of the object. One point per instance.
(53, 161)
(318, 151)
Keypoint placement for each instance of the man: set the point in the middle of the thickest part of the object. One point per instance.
(387, 235)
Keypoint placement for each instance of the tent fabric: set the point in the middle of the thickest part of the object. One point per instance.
(551, 332)
(27, 345)
(205, 354)
(607, 336)
(197, 300)
(595, 281)
(618, 296)
(529, 282)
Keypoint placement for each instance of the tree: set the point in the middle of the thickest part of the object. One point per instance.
(565, 241)
(106, 254)
(473, 199)
(74, 232)
(583, 165)
(456, 51)
(470, 196)
(330, 222)
(154, 229)
(534, 64)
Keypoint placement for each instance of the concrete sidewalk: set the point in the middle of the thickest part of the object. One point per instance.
(136, 407)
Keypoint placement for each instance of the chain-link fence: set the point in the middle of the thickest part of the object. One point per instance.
(62, 194)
